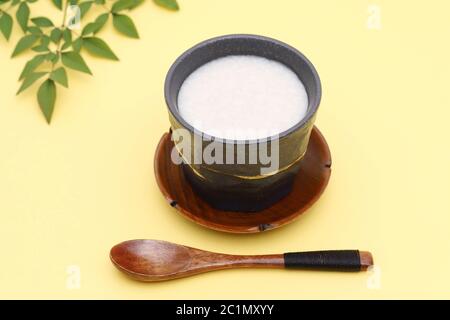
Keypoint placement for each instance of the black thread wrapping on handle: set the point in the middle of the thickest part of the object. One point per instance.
(339, 260)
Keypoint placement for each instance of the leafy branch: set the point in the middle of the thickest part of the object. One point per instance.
(59, 47)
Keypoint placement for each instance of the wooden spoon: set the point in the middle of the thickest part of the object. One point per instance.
(155, 260)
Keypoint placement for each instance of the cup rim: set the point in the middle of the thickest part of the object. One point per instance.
(176, 114)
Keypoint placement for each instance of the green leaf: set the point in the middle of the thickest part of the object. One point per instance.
(168, 4)
(91, 27)
(25, 43)
(42, 22)
(30, 79)
(22, 15)
(67, 37)
(100, 1)
(40, 48)
(31, 65)
(123, 5)
(98, 47)
(56, 35)
(43, 45)
(52, 57)
(137, 3)
(125, 25)
(15, 2)
(73, 60)
(66, 45)
(96, 26)
(46, 97)
(77, 44)
(84, 8)
(31, 1)
(58, 4)
(35, 30)
(45, 40)
(60, 76)
(101, 21)
(6, 23)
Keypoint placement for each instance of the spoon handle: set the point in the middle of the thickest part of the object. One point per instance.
(337, 260)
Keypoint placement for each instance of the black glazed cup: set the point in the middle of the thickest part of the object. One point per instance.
(242, 187)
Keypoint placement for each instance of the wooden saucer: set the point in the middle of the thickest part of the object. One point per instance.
(309, 184)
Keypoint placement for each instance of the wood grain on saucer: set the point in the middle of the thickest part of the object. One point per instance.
(309, 184)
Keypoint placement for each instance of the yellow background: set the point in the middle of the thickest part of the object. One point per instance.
(70, 191)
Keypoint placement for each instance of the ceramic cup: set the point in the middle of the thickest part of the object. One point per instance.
(242, 186)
